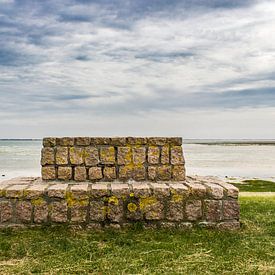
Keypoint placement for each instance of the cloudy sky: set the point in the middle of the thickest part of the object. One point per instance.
(197, 69)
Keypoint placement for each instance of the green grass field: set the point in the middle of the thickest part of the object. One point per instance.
(256, 186)
(65, 251)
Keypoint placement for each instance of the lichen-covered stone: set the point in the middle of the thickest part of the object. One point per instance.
(141, 189)
(214, 190)
(82, 141)
(115, 211)
(231, 209)
(193, 210)
(99, 190)
(100, 141)
(40, 211)
(65, 141)
(230, 190)
(152, 172)
(157, 141)
(98, 210)
(107, 155)
(196, 189)
(91, 156)
(178, 172)
(58, 211)
(175, 141)
(48, 173)
(139, 155)
(80, 191)
(138, 172)
(5, 211)
(164, 172)
(153, 155)
(177, 155)
(120, 190)
(109, 173)
(49, 142)
(64, 173)
(16, 191)
(175, 210)
(47, 156)
(61, 156)
(79, 211)
(36, 190)
(118, 141)
(136, 140)
(95, 173)
(124, 155)
(133, 212)
(160, 190)
(164, 155)
(57, 190)
(76, 155)
(125, 172)
(23, 211)
(213, 210)
(80, 173)
(152, 208)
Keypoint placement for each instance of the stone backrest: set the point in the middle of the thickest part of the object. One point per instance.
(113, 159)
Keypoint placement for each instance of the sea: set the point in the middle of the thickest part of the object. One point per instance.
(231, 159)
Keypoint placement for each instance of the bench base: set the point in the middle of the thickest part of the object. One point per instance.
(197, 201)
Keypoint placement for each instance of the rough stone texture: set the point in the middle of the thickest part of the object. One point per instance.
(64, 173)
(5, 211)
(193, 210)
(95, 173)
(98, 210)
(58, 211)
(84, 141)
(177, 155)
(49, 142)
(65, 141)
(24, 211)
(79, 212)
(109, 173)
(40, 211)
(139, 155)
(47, 156)
(153, 154)
(80, 173)
(48, 173)
(164, 158)
(178, 172)
(76, 155)
(61, 156)
(91, 156)
(107, 155)
(124, 155)
(57, 190)
(213, 210)
(231, 209)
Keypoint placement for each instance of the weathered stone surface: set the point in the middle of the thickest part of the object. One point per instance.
(164, 156)
(80, 191)
(152, 208)
(175, 210)
(47, 156)
(120, 190)
(99, 190)
(65, 141)
(153, 155)
(5, 211)
(40, 211)
(178, 172)
(139, 155)
(231, 190)
(91, 156)
(23, 211)
(214, 190)
(100, 141)
(49, 142)
(177, 155)
(82, 141)
(98, 210)
(136, 140)
(213, 210)
(196, 189)
(124, 155)
(115, 211)
(164, 172)
(48, 173)
(16, 191)
(107, 155)
(58, 211)
(157, 141)
(36, 190)
(139, 173)
(193, 210)
(152, 172)
(79, 211)
(109, 173)
(125, 172)
(80, 173)
(76, 155)
(64, 173)
(141, 189)
(61, 156)
(231, 209)
(175, 141)
(160, 190)
(95, 173)
(185, 225)
(133, 212)
(118, 141)
(169, 225)
(57, 190)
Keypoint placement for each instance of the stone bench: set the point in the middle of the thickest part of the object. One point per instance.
(117, 182)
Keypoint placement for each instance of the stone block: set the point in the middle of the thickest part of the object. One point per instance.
(160, 190)
(175, 141)
(164, 156)
(64, 173)
(230, 190)
(118, 141)
(213, 210)
(177, 155)
(79, 212)
(133, 212)
(49, 142)
(139, 155)
(178, 173)
(214, 190)
(115, 211)
(5, 211)
(58, 211)
(164, 172)
(95, 173)
(98, 210)
(231, 209)
(136, 140)
(124, 155)
(65, 141)
(40, 211)
(120, 190)
(175, 210)
(107, 155)
(16, 191)
(152, 208)
(91, 156)
(57, 190)
(36, 190)
(139, 173)
(80, 173)
(62, 155)
(193, 210)
(125, 172)
(152, 172)
(48, 172)
(141, 190)
(157, 141)
(109, 173)
(100, 141)
(82, 141)
(23, 211)
(99, 190)
(79, 191)
(47, 156)
(196, 189)
(153, 155)
(76, 155)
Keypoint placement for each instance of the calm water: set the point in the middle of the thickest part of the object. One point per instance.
(203, 157)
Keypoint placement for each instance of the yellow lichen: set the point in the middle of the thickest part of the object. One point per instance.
(132, 207)
(113, 200)
(146, 201)
(37, 202)
(177, 198)
(132, 195)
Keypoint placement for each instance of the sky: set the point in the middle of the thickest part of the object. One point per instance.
(196, 69)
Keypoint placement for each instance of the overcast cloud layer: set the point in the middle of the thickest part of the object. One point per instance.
(198, 69)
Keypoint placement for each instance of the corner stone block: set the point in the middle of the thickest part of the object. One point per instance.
(58, 211)
(47, 156)
(80, 173)
(98, 210)
(231, 209)
(213, 210)
(164, 172)
(164, 157)
(153, 155)
(124, 155)
(65, 141)
(23, 211)
(48, 173)
(95, 173)
(175, 141)
(107, 155)
(109, 173)
(5, 211)
(61, 156)
(193, 210)
(36, 190)
(213, 190)
(196, 189)
(40, 211)
(177, 155)
(139, 155)
(76, 155)
(82, 141)
(49, 142)
(230, 190)
(178, 172)
(64, 173)
(157, 141)
(91, 156)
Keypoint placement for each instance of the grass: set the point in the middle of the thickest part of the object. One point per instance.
(65, 251)
(256, 186)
